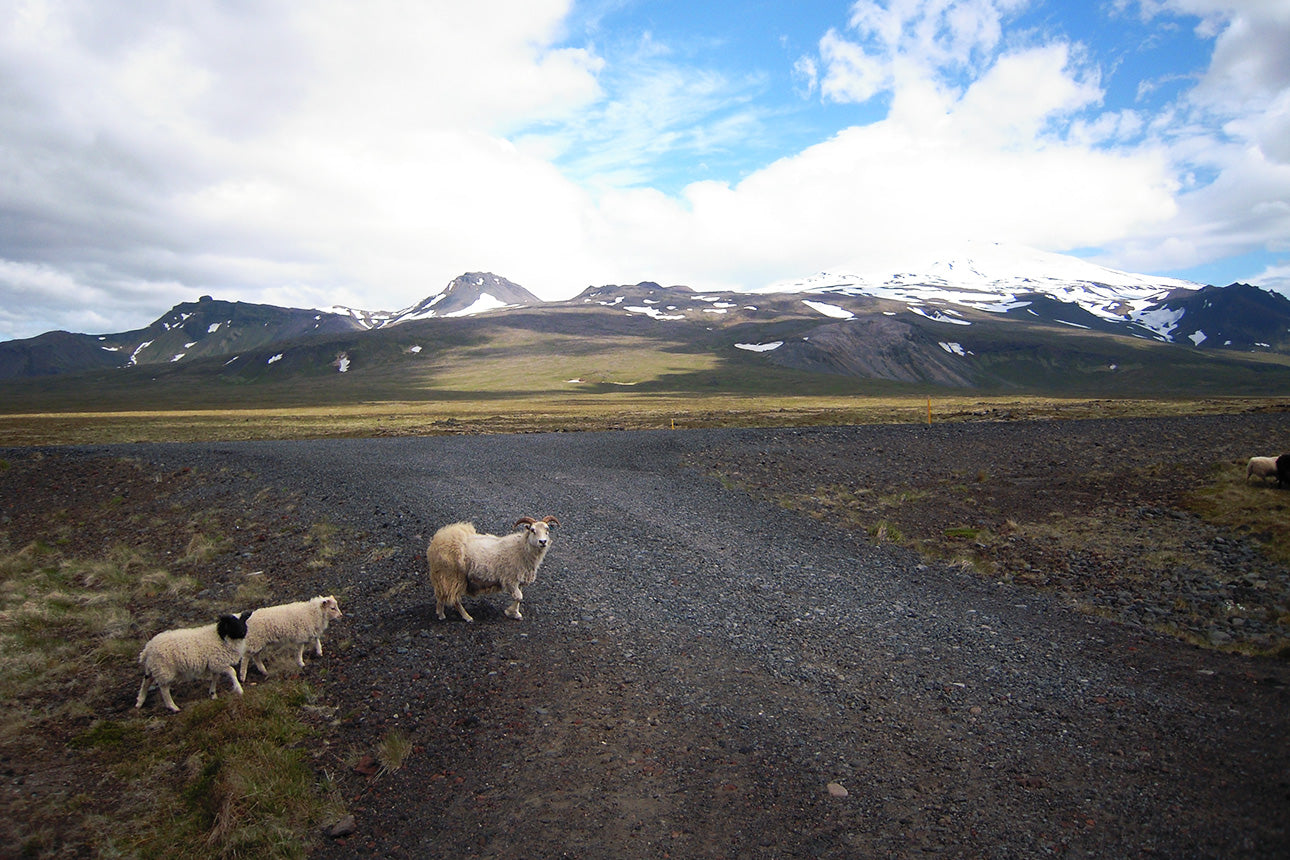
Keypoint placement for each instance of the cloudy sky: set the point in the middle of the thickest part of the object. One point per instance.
(365, 153)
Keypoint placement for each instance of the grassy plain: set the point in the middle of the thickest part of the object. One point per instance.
(570, 412)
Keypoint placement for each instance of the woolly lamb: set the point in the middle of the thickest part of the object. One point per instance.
(193, 654)
(464, 562)
(1261, 467)
(297, 623)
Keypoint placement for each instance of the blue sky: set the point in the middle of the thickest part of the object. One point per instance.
(366, 153)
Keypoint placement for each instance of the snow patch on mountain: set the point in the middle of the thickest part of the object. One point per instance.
(653, 313)
(829, 310)
(485, 302)
(1162, 321)
(938, 316)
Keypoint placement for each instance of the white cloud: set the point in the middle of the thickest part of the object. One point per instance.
(851, 75)
(1275, 278)
(987, 164)
(366, 153)
(1229, 139)
(939, 32)
(330, 152)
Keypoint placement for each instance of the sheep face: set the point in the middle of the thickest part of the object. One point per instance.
(330, 607)
(538, 531)
(232, 626)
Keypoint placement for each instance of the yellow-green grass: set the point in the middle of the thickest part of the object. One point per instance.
(522, 363)
(621, 407)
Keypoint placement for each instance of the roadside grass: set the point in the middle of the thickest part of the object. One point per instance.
(231, 777)
(1145, 552)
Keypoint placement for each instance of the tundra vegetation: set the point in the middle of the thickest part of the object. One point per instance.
(236, 776)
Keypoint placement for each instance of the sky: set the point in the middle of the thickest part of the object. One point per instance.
(310, 153)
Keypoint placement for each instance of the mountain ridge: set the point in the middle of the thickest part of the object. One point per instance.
(965, 324)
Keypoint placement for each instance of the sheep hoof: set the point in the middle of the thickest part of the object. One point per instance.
(515, 613)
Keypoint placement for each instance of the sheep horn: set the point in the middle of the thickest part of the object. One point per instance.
(524, 521)
(551, 521)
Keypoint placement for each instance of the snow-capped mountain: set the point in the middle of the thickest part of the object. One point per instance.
(467, 295)
(987, 317)
(1000, 279)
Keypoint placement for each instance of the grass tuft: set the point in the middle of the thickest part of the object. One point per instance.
(321, 538)
(393, 750)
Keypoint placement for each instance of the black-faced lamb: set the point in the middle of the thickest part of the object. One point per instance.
(193, 654)
(300, 623)
(1261, 467)
(464, 562)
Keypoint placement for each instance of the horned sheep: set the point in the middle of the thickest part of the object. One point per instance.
(464, 562)
(1261, 467)
(300, 624)
(193, 654)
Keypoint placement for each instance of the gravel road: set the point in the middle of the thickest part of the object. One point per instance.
(701, 674)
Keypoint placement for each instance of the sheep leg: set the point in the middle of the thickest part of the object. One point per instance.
(318, 646)
(241, 668)
(143, 692)
(165, 697)
(300, 656)
(232, 676)
(465, 616)
(514, 609)
(259, 665)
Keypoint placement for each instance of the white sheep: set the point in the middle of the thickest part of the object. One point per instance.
(1261, 467)
(299, 623)
(464, 562)
(193, 654)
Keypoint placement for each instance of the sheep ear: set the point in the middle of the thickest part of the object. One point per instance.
(247, 614)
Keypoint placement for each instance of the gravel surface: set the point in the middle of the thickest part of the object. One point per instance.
(701, 673)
